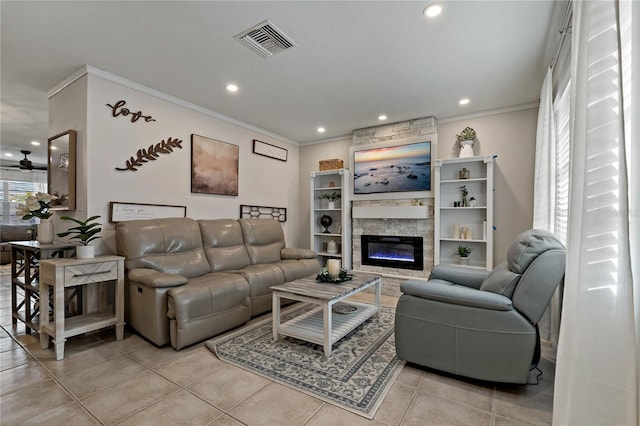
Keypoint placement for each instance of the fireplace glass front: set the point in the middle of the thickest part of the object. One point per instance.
(392, 251)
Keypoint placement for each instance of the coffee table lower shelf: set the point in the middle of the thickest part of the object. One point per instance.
(310, 325)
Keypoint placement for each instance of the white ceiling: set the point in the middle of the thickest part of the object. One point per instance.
(353, 60)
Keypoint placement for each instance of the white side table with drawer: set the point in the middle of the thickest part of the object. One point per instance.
(72, 272)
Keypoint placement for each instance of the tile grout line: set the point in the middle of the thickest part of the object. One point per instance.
(55, 380)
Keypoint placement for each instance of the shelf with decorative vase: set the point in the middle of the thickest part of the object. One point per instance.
(470, 225)
(331, 223)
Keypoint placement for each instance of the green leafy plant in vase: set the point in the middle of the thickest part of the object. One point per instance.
(85, 232)
(466, 140)
(463, 254)
(331, 198)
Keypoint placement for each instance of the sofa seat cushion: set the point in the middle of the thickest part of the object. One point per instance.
(207, 295)
(261, 278)
(296, 269)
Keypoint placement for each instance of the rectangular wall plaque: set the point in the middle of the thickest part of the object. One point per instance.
(268, 150)
(119, 212)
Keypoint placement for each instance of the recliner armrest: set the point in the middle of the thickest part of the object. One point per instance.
(297, 253)
(153, 278)
(459, 275)
(455, 294)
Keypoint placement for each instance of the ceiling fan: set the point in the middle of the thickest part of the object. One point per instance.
(26, 164)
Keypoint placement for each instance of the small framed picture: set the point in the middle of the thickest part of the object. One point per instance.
(268, 150)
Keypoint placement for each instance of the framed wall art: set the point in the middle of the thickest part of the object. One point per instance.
(263, 212)
(214, 166)
(393, 169)
(268, 150)
(119, 212)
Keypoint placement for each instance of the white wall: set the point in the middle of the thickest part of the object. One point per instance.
(110, 141)
(509, 135)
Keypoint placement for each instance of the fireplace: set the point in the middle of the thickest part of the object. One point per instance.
(392, 251)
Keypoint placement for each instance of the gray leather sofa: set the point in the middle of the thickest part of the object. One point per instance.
(482, 324)
(191, 279)
(9, 233)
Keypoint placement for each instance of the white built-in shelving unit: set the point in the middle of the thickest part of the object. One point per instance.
(328, 182)
(478, 219)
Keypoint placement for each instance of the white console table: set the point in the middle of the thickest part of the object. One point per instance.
(71, 272)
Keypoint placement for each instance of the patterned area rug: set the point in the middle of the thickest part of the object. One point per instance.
(358, 374)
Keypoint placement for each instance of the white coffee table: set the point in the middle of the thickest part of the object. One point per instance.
(321, 325)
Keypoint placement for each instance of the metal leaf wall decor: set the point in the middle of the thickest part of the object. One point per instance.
(144, 155)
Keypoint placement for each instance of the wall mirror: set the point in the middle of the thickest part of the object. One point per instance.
(61, 172)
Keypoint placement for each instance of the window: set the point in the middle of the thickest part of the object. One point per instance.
(11, 192)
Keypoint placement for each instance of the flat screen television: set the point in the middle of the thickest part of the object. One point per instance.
(400, 168)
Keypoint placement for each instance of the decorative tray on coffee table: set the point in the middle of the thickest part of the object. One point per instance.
(326, 278)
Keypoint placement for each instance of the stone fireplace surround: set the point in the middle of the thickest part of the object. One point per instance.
(414, 227)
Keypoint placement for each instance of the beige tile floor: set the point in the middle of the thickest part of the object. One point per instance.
(132, 382)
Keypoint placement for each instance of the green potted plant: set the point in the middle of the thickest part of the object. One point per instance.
(466, 140)
(331, 198)
(85, 232)
(463, 254)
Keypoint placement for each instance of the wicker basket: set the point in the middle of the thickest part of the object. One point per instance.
(332, 164)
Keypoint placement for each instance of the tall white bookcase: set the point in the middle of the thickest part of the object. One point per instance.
(450, 220)
(328, 182)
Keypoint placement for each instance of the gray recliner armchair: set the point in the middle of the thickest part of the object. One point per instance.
(482, 324)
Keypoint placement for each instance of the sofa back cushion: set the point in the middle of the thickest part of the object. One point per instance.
(528, 246)
(172, 245)
(501, 281)
(223, 244)
(263, 239)
(16, 232)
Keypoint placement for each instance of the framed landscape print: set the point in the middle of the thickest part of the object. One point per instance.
(214, 166)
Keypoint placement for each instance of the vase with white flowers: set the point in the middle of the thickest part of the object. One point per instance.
(85, 232)
(38, 206)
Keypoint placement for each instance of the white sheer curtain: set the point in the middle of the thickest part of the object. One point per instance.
(545, 171)
(597, 371)
(545, 183)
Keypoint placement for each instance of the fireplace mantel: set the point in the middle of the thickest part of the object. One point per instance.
(390, 212)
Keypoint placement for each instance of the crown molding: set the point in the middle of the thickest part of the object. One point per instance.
(88, 69)
(488, 112)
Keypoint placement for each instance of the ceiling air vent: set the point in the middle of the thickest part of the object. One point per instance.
(265, 39)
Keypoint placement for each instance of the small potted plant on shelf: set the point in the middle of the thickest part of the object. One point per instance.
(331, 198)
(85, 232)
(463, 254)
(464, 192)
(466, 140)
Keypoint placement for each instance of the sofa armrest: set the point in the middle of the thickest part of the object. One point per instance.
(459, 275)
(456, 295)
(297, 253)
(153, 278)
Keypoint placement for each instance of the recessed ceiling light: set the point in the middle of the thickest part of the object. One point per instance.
(463, 101)
(232, 87)
(8, 154)
(321, 129)
(35, 143)
(382, 117)
(432, 10)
